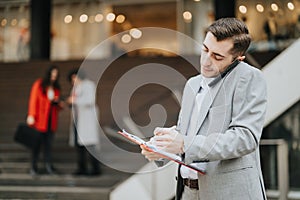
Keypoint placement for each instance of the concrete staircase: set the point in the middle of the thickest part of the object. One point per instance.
(16, 183)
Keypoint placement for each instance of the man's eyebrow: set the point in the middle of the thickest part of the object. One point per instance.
(216, 54)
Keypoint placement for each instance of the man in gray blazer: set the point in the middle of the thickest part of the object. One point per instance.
(84, 127)
(220, 121)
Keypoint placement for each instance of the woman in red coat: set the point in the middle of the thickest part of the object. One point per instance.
(44, 104)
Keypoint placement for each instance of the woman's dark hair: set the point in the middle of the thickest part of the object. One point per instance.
(232, 28)
(77, 72)
(47, 79)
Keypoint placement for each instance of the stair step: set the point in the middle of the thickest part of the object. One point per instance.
(62, 168)
(23, 167)
(25, 156)
(104, 181)
(54, 192)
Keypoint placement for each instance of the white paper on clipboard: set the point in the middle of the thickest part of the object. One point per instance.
(170, 156)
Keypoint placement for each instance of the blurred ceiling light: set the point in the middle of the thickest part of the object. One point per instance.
(14, 22)
(290, 6)
(3, 22)
(110, 17)
(274, 7)
(187, 16)
(99, 18)
(83, 18)
(120, 19)
(197, 0)
(126, 38)
(260, 8)
(68, 19)
(135, 33)
(243, 9)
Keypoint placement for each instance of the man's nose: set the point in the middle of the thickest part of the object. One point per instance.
(206, 60)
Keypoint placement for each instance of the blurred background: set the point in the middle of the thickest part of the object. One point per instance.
(35, 34)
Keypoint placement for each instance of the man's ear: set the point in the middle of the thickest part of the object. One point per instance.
(241, 58)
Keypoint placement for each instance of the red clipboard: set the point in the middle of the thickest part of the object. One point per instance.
(170, 156)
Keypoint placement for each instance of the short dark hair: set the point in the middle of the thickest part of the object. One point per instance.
(232, 28)
(77, 72)
(71, 73)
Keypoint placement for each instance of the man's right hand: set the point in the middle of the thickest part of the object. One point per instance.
(70, 100)
(168, 139)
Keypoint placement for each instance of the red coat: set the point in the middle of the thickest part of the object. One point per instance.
(39, 108)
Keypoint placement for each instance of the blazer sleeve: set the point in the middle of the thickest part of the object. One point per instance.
(243, 134)
(33, 98)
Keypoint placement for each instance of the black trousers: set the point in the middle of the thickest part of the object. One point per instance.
(83, 153)
(45, 141)
(179, 186)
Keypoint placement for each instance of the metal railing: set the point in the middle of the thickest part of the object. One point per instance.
(282, 168)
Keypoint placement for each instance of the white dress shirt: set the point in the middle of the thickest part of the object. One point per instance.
(184, 171)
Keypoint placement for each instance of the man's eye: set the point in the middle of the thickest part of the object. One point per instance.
(218, 58)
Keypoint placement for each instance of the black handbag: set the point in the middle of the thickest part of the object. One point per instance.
(27, 136)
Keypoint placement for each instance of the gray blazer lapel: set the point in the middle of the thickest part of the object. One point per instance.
(207, 102)
(214, 87)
